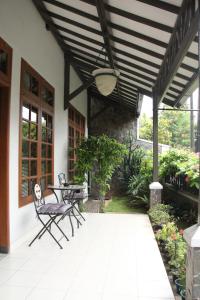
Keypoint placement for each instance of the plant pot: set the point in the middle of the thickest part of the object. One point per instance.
(183, 294)
(179, 286)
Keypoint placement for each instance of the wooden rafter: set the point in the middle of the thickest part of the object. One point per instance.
(179, 44)
(162, 5)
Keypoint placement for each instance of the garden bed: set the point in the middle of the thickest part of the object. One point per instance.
(171, 244)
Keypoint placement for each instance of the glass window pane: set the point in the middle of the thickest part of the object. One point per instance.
(26, 111)
(49, 166)
(44, 148)
(33, 167)
(43, 183)
(49, 136)
(47, 96)
(25, 129)
(25, 168)
(50, 122)
(44, 119)
(25, 188)
(44, 134)
(33, 131)
(49, 152)
(33, 149)
(3, 61)
(43, 167)
(25, 148)
(32, 182)
(34, 85)
(27, 81)
(49, 180)
(50, 98)
(34, 114)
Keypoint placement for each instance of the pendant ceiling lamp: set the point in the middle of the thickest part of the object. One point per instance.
(106, 80)
(105, 77)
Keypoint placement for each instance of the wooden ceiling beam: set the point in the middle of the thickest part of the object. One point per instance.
(105, 31)
(90, 29)
(118, 59)
(133, 17)
(162, 5)
(179, 44)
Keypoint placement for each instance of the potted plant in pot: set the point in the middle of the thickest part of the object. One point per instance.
(100, 156)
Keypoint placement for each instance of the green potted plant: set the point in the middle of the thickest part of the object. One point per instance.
(100, 156)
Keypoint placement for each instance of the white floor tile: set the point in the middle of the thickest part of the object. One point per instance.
(5, 275)
(83, 295)
(23, 278)
(12, 263)
(43, 294)
(14, 292)
(112, 256)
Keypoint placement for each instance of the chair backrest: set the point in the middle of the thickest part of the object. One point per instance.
(62, 179)
(37, 193)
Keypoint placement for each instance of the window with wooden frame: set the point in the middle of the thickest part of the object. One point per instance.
(36, 133)
(76, 132)
(5, 62)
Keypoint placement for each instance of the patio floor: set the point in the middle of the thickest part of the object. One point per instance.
(111, 257)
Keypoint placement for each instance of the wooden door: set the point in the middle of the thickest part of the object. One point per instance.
(5, 85)
(4, 169)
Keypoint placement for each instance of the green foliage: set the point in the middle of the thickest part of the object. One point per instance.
(132, 160)
(177, 162)
(173, 128)
(121, 205)
(167, 231)
(138, 185)
(159, 217)
(171, 239)
(146, 128)
(159, 214)
(101, 156)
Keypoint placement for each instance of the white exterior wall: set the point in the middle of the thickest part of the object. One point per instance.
(24, 30)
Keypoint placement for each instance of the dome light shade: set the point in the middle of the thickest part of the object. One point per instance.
(106, 80)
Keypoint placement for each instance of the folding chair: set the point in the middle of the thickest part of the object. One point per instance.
(55, 211)
(71, 197)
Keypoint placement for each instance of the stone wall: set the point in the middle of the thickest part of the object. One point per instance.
(115, 121)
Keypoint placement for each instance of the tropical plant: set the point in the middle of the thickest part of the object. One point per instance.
(132, 160)
(180, 163)
(168, 230)
(159, 217)
(159, 214)
(101, 156)
(138, 186)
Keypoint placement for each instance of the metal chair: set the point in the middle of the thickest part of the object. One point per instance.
(73, 198)
(55, 211)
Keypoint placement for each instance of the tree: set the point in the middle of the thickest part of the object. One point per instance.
(146, 128)
(173, 128)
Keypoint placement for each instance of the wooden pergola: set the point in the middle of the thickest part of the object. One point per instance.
(154, 44)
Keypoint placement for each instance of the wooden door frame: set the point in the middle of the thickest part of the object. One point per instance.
(5, 86)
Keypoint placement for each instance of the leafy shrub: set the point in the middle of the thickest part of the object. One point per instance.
(138, 186)
(167, 231)
(132, 160)
(101, 156)
(159, 214)
(180, 162)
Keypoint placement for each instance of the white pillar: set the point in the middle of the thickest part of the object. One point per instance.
(192, 237)
(155, 193)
